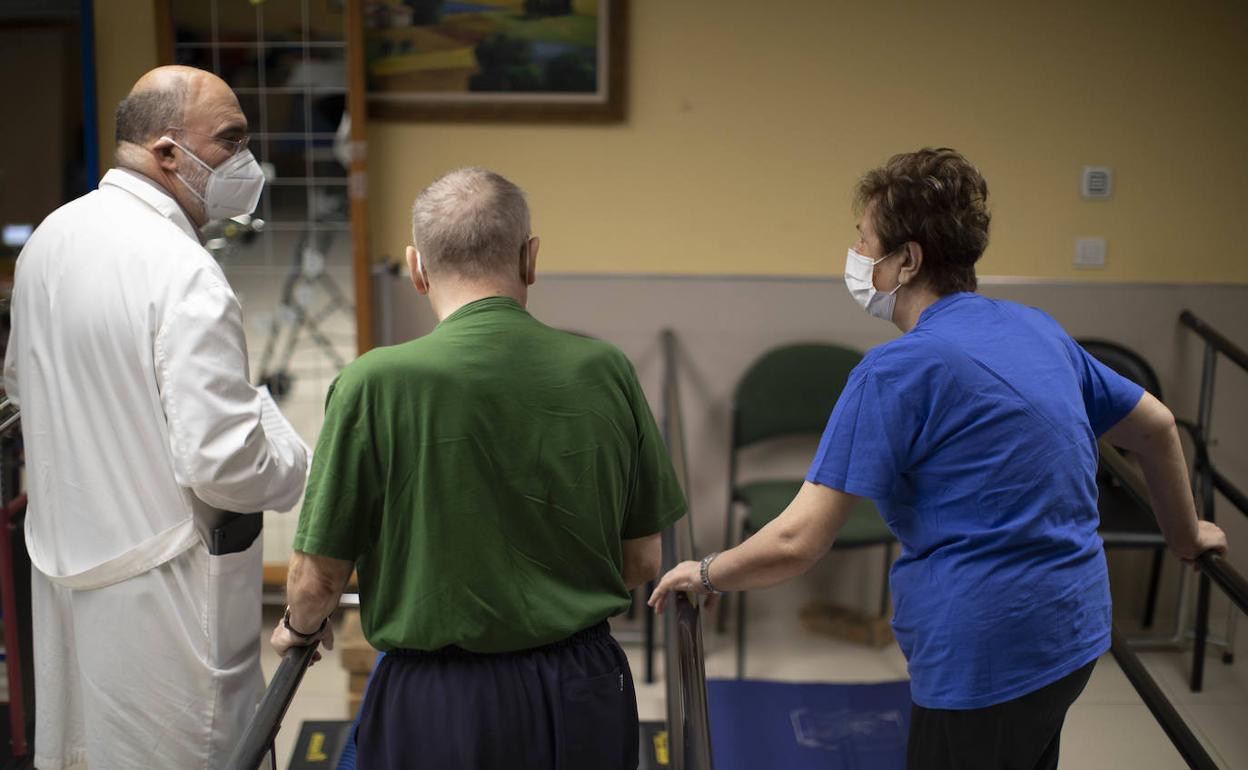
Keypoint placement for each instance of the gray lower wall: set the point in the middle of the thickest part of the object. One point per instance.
(724, 323)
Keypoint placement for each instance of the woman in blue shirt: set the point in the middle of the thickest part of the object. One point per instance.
(975, 434)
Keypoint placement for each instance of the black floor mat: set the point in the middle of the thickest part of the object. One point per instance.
(320, 745)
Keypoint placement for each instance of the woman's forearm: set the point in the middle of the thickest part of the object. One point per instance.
(789, 545)
(1169, 490)
(783, 549)
(771, 556)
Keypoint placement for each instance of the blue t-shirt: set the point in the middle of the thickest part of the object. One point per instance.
(975, 435)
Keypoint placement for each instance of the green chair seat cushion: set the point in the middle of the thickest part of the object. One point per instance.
(764, 501)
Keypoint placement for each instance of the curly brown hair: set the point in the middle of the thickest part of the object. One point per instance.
(937, 199)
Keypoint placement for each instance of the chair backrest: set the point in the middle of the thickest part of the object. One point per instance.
(790, 390)
(1126, 362)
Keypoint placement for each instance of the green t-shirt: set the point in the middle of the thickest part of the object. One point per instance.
(482, 478)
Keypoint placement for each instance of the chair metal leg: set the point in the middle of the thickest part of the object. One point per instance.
(721, 618)
(1154, 582)
(740, 634)
(888, 564)
(741, 613)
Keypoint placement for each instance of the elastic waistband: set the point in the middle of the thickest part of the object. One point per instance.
(591, 634)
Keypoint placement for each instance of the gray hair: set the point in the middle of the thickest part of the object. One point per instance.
(471, 222)
(143, 115)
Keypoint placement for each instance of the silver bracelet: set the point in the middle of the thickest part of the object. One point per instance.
(705, 572)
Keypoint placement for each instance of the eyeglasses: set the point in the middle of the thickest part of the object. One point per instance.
(236, 145)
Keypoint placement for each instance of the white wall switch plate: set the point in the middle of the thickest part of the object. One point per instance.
(1090, 252)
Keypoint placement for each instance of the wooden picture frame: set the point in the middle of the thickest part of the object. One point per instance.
(605, 105)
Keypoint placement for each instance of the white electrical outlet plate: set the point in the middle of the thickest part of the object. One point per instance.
(1090, 253)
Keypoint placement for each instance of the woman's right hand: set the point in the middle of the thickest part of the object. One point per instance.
(1209, 537)
(686, 576)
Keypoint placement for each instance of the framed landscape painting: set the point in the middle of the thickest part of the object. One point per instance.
(518, 60)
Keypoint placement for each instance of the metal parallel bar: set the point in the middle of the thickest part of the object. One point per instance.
(696, 738)
(1208, 478)
(1233, 584)
(1121, 469)
(672, 392)
(1201, 641)
(688, 716)
(258, 739)
(1213, 568)
(1186, 742)
(671, 665)
(1215, 338)
(1205, 409)
(1229, 490)
(669, 559)
(1204, 480)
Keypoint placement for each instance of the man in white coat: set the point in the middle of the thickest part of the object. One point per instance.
(141, 430)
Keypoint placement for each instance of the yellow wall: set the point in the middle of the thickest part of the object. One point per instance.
(125, 48)
(750, 122)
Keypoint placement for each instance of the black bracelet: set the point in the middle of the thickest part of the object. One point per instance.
(305, 637)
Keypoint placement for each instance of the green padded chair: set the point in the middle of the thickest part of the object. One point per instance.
(790, 391)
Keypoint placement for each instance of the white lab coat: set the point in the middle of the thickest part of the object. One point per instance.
(128, 361)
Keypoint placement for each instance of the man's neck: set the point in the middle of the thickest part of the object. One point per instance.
(139, 173)
(148, 177)
(448, 298)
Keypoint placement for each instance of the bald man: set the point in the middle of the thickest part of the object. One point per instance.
(144, 444)
(499, 486)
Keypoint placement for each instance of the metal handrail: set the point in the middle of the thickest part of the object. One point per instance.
(1217, 568)
(688, 715)
(1211, 565)
(1215, 338)
(1184, 740)
(1209, 481)
(674, 427)
(1215, 343)
(1227, 577)
(258, 739)
(1228, 489)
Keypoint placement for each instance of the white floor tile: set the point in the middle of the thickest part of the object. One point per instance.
(1106, 736)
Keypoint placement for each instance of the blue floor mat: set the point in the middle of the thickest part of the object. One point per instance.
(757, 725)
